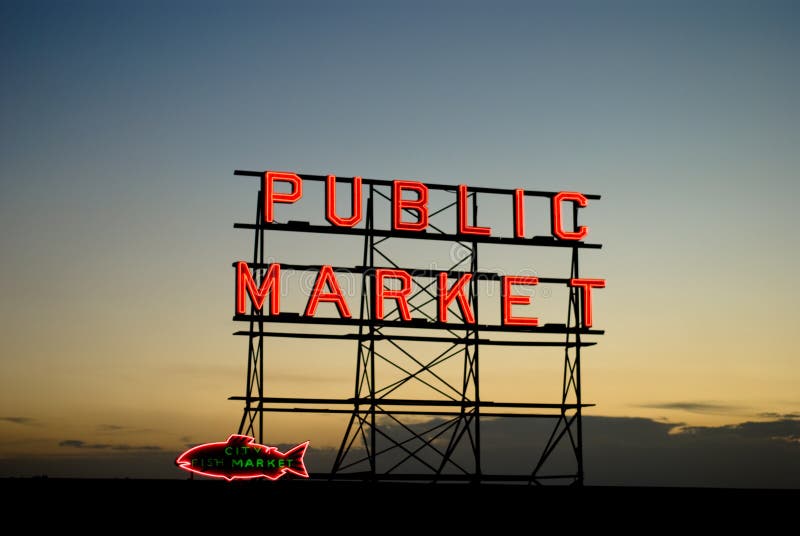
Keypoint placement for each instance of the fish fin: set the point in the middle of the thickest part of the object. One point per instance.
(240, 439)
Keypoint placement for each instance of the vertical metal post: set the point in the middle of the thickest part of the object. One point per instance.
(476, 347)
(575, 273)
(373, 461)
(255, 353)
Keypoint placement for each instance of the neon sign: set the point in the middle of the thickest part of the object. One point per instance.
(410, 218)
(417, 205)
(241, 458)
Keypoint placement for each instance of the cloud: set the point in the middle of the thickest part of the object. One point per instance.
(136, 447)
(749, 454)
(78, 444)
(712, 408)
(773, 415)
(72, 443)
(110, 427)
(627, 451)
(25, 421)
(120, 429)
(782, 429)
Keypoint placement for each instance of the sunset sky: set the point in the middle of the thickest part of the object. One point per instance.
(122, 124)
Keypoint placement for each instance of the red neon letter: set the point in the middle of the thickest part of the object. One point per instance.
(246, 285)
(509, 299)
(271, 197)
(419, 205)
(586, 286)
(330, 203)
(519, 213)
(399, 295)
(463, 226)
(325, 276)
(456, 292)
(558, 229)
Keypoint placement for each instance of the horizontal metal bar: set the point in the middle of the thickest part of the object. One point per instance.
(432, 186)
(404, 412)
(365, 475)
(453, 340)
(415, 272)
(306, 227)
(406, 402)
(419, 323)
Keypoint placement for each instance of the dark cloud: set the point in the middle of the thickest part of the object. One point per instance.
(120, 429)
(712, 408)
(773, 415)
(629, 452)
(110, 427)
(136, 447)
(25, 421)
(72, 443)
(750, 454)
(783, 429)
(78, 444)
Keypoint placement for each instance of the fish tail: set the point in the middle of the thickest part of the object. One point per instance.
(298, 453)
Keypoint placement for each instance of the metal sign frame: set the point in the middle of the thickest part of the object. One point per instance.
(448, 446)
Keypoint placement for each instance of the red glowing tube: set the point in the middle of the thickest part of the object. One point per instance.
(327, 277)
(557, 222)
(241, 458)
(330, 203)
(508, 299)
(519, 213)
(456, 292)
(419, 205)
(400, 295)
(271, 197)
(586, 286)
(463, 226)
(246, 285)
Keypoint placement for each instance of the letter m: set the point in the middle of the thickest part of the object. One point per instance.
(270, 284)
